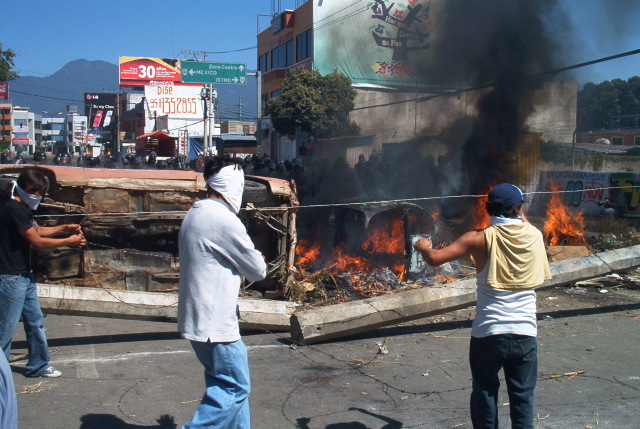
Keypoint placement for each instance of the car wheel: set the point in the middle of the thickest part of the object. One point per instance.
(254, 192)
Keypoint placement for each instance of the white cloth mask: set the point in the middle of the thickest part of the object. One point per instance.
(33, 201)
(229, 182)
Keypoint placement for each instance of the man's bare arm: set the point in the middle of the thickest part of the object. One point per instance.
(472, 243)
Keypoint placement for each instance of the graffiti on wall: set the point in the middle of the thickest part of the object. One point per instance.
(585, 191)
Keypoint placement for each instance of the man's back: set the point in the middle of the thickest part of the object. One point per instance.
(215, 253)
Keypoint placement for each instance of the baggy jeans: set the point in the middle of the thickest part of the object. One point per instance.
(518, 356)
(225, 403)
(18, 295)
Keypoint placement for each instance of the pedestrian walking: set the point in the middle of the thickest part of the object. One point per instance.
(215, 254)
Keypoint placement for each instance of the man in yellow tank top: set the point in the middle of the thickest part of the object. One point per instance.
(510, 259)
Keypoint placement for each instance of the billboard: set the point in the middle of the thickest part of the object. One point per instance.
(99, 110)
(385, 43)
(175, 101)
(173, 107)
(4, 90)
(139, 71)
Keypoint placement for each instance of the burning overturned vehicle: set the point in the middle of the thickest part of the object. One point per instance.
(131, 220)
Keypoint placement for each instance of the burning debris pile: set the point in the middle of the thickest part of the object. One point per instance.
(562, 226)
(357, 252)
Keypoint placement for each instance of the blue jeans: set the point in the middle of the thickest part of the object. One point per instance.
(18, 295)
(518, 356)
(225, 403)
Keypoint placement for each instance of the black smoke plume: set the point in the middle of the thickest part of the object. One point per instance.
(494, 46)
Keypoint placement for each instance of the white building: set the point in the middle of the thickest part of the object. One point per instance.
(27, 130)
(53, 130)
(76, 135)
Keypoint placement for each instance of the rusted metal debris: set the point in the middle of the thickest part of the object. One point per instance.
(131, 220)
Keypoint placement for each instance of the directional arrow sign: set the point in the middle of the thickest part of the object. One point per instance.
(215, 73)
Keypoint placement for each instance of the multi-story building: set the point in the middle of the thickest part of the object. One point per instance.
(53, 130)
(238, 127)
(286, 45)
(6, 126)
(385, 49)
(76, 140)
(27, 130)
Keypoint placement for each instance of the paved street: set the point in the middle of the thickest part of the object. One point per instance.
(138, 374)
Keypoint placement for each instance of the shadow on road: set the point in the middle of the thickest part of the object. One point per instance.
(109, 421)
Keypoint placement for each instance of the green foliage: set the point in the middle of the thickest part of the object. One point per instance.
(315, 104)
(597, 103)
(562, 153)
(596, 160)
(6, 64)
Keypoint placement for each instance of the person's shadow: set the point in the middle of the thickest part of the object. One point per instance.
(109, 421)
(303, 422)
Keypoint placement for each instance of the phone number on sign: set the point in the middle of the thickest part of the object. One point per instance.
(173, 105)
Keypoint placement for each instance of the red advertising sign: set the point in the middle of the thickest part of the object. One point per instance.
(18, 140)
(148, 71)
(4, 91)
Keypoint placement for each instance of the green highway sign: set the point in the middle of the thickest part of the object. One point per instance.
(216, 73)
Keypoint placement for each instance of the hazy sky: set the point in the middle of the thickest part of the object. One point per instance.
(46, 35)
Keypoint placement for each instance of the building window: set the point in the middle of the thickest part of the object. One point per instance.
(636, 140)
(617, 141)
(303, 46)
(289, 46)
(282, 56)
(263, 63)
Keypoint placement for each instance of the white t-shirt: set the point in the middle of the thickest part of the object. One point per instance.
(503, 311)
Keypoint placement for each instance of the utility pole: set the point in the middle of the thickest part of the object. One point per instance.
(118, 146)
(259, 108)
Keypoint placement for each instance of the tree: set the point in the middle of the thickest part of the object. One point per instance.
(6, 63)
(598, 103)
(315, 104)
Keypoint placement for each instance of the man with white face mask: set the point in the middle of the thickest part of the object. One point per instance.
(19, 233)
(215, 253)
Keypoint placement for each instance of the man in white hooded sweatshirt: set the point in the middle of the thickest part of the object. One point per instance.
(510, 260)
(215, 253)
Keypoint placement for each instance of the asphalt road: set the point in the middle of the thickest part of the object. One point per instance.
(137, 374)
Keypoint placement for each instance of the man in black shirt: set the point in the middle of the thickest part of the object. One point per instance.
(19, 232)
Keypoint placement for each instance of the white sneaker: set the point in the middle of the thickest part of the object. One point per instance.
(50, 372)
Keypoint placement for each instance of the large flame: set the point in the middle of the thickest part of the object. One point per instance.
(383, 247)
(562, 226)
(479, 215)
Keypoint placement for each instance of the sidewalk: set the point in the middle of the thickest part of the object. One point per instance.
(129, 374)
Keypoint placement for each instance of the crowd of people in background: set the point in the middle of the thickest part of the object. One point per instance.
(321, 180)
(318, 180)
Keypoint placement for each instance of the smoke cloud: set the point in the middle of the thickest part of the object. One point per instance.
(497, 44)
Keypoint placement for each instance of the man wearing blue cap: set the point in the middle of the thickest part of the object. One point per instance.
(511, 260)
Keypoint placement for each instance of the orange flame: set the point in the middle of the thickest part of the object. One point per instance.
(562, 226)
(444, 278)
(385, 237)
(479, 215)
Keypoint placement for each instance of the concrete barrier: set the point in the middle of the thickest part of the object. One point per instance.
(321, 323)
(325, 323)
(58, 299)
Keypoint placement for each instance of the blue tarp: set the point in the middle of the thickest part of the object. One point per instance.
(196, 147)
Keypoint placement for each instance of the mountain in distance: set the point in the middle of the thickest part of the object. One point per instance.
(68, 85)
